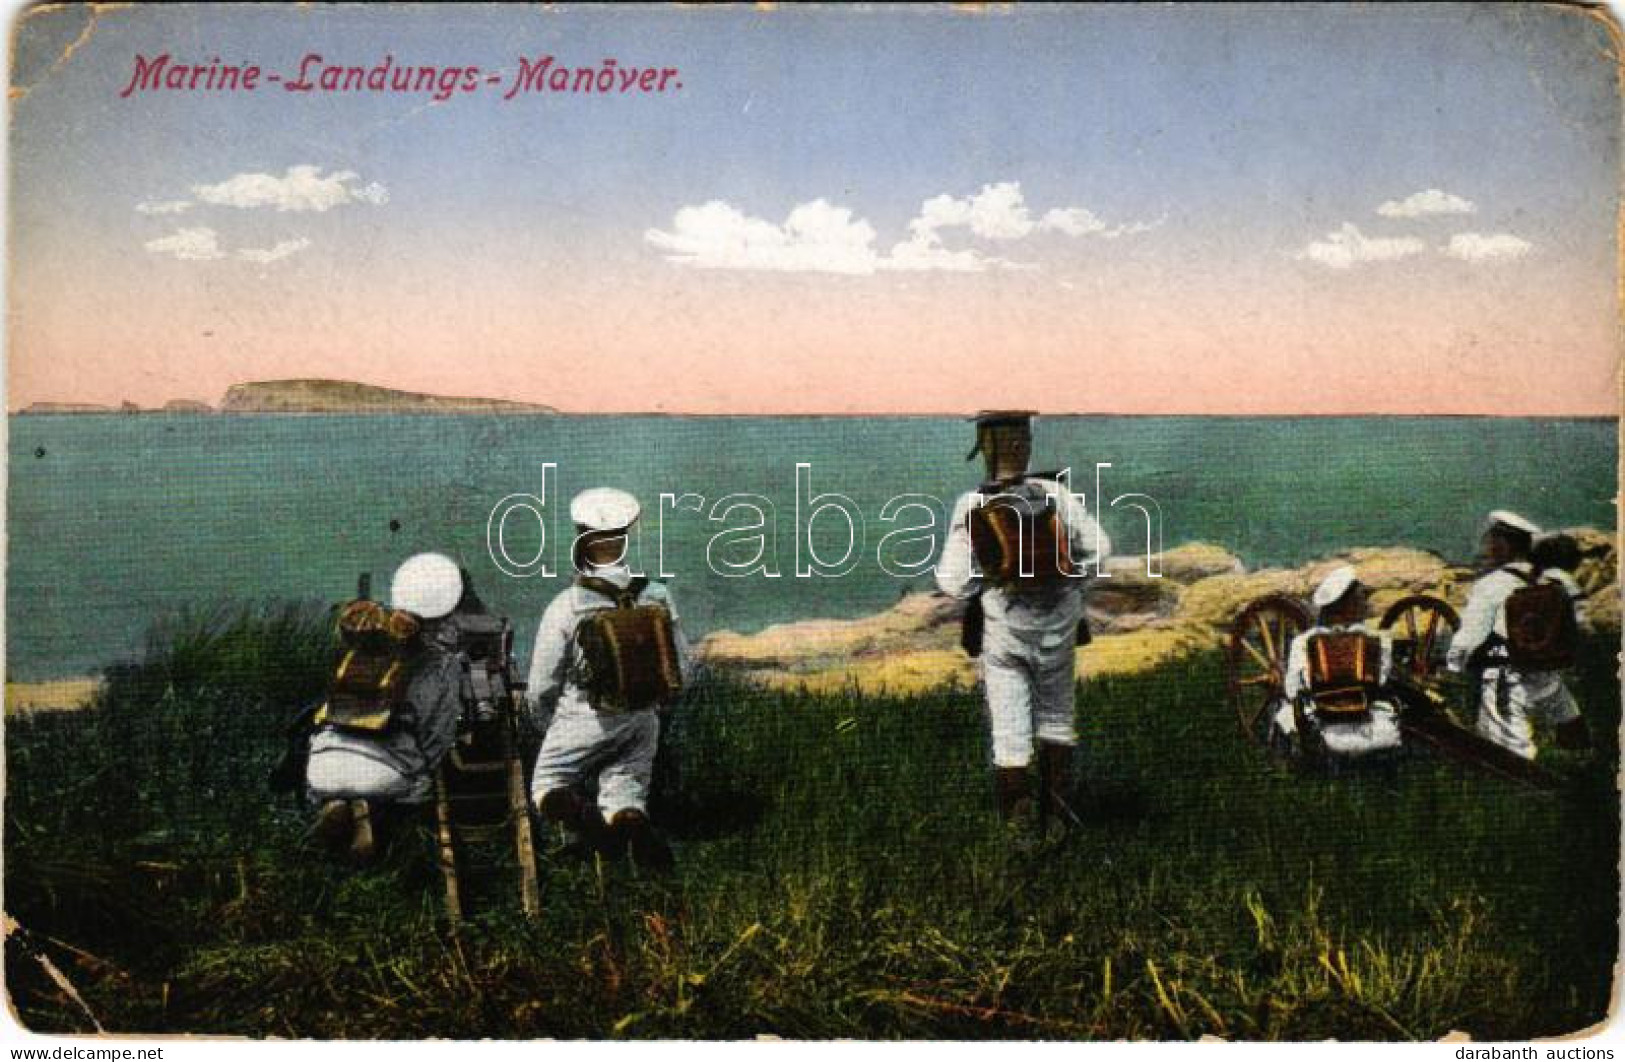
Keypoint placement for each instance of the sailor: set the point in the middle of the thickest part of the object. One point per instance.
(1514, 684)
(1557, 556)
(1340, 601)
(602, 728)
(1031, 625)
(393, 709)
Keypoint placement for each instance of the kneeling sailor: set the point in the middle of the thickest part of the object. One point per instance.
(392, 706)
(608, 654)
(1336, 671)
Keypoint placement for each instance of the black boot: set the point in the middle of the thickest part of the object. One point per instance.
(1054, 788)
(634, 832)
(1015, 804)
(565, 807)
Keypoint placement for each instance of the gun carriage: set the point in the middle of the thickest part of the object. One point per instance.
(1419, 687)
(480, 786)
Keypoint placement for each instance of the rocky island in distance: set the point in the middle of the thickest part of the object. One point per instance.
(308, 396)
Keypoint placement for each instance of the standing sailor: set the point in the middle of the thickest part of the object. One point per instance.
(1022, 548)
(608, 654)
(1518, 628)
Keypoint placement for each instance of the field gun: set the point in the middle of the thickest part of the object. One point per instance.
(1421, 627)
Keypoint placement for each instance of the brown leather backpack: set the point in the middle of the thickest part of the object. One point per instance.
(380, 653)
(629, 652)
(1344, 670)
(1018, 538)
(1541, 629)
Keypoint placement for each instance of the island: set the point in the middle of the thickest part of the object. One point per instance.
(306, 396)
(343, 396)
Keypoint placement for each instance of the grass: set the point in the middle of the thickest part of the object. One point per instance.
(840, 875)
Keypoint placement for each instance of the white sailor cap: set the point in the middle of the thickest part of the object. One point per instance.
(604, 509)
(1334, 586)
(428, 585)
(1511, 521)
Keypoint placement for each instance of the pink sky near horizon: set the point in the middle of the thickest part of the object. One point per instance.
(688, 341)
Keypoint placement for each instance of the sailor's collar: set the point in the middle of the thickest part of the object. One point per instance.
(617, 574)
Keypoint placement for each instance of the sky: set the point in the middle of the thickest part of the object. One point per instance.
(1160, 209)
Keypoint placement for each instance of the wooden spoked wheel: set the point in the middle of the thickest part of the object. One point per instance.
(1421, 627)
(1256, 658)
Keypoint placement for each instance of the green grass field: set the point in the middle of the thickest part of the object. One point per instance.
(840, 874)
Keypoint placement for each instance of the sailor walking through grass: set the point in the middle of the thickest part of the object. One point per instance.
(609, 654)
(1022, 549)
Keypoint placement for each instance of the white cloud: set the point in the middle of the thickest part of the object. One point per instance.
(1133, 228)
(925, 253)
(817, 237)
(940, 212)
(1348, 246)
(302, 188)
(824, 238)
(997, 212)
(282, 250)
(1072, 221)
(203, 245)
(200, 244)
(1428, 201)
(167, 206)
(1076, 221)
(1486, 247)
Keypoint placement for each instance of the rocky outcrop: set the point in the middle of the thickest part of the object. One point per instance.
(1139, 620)
(309, 396)
(343, 396)
(63, 694)
(64, 407)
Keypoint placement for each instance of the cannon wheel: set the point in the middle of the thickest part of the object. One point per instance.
(1428, 624)
(1257, 657)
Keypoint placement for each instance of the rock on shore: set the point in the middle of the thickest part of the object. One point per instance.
(49, 696)
(1139, 621)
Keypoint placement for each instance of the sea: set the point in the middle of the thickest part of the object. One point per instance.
(114, 521)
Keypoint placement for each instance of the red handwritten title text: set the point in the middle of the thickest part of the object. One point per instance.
(542, 74)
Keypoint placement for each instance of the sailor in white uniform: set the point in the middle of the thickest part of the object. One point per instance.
(1556, 556)
(353, 775)
(1030, 637)
(1509, 697)
(1340, 600)
(583, 740)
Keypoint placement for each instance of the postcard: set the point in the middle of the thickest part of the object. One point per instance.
(954, 522)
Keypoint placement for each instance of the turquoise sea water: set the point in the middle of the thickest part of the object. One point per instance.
(114, 520)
